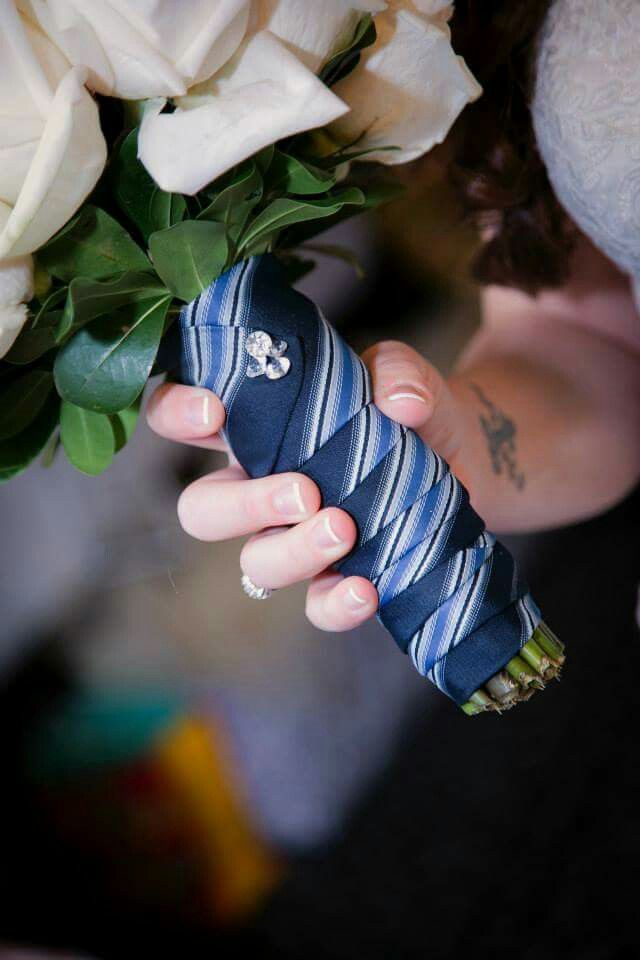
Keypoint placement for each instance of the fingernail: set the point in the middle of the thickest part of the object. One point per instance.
(325, 536)
(289, 502)
(198, 412)
(406, 391)
(354, 602)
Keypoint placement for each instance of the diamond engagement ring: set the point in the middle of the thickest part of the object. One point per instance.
(253, 591)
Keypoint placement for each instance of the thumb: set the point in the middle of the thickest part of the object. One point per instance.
(411, 391)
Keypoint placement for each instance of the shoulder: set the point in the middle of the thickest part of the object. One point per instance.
(598, 299)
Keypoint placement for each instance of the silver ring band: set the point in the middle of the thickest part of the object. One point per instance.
(252, 590)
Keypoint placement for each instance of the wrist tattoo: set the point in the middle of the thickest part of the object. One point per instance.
(500, 432)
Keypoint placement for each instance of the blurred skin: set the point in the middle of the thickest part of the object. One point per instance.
(540, 421)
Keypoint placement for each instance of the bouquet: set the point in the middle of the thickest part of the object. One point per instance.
(163, 169)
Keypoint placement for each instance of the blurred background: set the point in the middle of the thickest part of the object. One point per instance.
(185, 770)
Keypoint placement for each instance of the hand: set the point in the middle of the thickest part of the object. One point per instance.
(290, 538)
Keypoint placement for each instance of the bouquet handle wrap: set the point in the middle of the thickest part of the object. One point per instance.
(450, 593)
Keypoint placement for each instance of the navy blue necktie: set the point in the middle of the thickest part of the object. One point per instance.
(298, 398)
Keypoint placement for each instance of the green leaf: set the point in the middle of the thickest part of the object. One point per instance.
(105, 366)
(38, 335)
(374, 194)
(264, 158)
(22, 398)
(290, 175)
(18, 452)
(190, 256)
(35, 341)
(346, 60)
(53, 301)
(244, 183)
(87, 438)
(124, 424)
(233, 204)
(338, 252)
(89, 299)
(286, 212)
(147, 206)
(346, 155)
(379, 192)
(50, 451)
(133, 112)
(41, 281)
(93, 245)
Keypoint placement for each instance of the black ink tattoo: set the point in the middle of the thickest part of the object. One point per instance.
(500, 431)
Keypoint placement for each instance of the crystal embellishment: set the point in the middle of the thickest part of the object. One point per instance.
(277, 367)
(255, 367)
(266, 357)
(259, 344)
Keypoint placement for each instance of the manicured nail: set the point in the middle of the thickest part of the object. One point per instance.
(354, 602)
(325, 536)
(198, 412)
(289, 503)
(406, 391)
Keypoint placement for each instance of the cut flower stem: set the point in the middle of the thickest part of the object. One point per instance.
(539, 660)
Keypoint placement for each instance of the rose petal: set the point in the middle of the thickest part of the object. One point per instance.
(74, 35)
(147, 48)
(408, 89)
(121, 61)
(262, 95)
(66, 166)
(216, 42)
(12, 319)
(30, 70)
(19, 140)
(16, 278)
(313, 34)
(21, 73)
(440, 9)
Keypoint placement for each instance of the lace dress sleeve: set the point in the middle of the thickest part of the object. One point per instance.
(586, 113)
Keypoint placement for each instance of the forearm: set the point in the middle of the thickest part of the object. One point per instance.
(550, 426)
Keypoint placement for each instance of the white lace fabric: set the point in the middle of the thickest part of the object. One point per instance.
(586, 114)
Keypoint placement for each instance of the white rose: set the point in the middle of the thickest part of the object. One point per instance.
(52, 151)
(138, 49)
(410, 86)
(440, 9)
(313, 33)
(16, 287)
(263, 94)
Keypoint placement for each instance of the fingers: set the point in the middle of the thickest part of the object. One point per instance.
(283, 558)
(227, 505)
(412, 391)
(336, 603)
(406, 386)
(186, 414)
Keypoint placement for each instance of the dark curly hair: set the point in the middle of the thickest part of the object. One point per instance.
(497, 167)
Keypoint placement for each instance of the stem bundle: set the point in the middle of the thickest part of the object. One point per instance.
(540, 659)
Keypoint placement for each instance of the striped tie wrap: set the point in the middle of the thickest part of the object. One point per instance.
(450, 593)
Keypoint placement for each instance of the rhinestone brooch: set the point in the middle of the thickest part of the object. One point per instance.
(266, 356)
